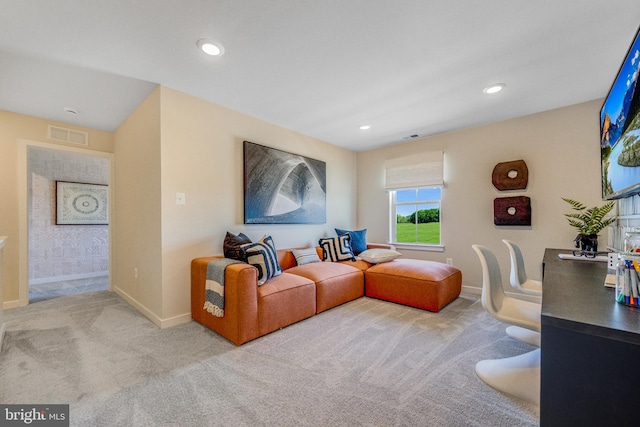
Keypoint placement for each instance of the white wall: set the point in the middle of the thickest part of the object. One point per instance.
(561, 149)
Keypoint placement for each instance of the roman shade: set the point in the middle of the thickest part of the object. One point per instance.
(419, 170)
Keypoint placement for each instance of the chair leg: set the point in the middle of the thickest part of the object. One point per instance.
(518, 376)
(524, 335)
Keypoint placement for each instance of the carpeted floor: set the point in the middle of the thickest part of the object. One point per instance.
(365, 363)
(44, 291)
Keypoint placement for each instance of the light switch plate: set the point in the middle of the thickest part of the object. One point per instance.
(181, 199)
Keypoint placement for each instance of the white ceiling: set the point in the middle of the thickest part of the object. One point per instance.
(320, 67)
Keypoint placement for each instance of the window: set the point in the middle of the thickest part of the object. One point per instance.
(414, 184)
(417, 215)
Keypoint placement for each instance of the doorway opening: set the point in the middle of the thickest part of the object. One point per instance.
(71, 258)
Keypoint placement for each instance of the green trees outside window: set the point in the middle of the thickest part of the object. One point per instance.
(417, 213)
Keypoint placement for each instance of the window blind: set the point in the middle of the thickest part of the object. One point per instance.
(419, 170)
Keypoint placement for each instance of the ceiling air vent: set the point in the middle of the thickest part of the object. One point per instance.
(58, 133)
(414, 136)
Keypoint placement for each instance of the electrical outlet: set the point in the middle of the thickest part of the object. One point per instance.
(450, 261)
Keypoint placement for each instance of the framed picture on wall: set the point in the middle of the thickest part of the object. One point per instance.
(282, 187)
(81, 204)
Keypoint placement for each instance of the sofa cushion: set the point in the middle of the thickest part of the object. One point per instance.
(358, 239)
(323, 271)
(232, 246)
(305, 256)
(263, 256)
(336, 282)
(337, 248)
(283, 300)
(283, 283)
(376, 256)
(417, 283)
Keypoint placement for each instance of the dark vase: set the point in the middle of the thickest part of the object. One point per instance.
(587, 242)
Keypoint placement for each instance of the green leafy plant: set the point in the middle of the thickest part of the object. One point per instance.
(592, 220)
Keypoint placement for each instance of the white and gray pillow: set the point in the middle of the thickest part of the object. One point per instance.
(263, 256)
(305, 256)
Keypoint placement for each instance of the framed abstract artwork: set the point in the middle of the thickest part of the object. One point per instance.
(283, 188)
(81, 204)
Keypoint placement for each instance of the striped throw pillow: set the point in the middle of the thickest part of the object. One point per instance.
(305, 256)
(263, 256)
(337, 248)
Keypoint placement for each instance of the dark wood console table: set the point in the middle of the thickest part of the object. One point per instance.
(590, 357)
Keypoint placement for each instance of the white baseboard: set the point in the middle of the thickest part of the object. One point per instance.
(161, 323)
(471, 290)
(176, 320)
(8, 305)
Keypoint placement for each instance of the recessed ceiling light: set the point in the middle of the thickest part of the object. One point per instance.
(365, 127)
(210, 47)
(71, 110)
(493, 89)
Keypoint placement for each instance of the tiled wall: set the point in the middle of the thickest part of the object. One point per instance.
(63, 252)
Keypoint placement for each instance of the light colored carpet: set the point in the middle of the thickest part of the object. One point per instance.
(44, 291)
(365, 363)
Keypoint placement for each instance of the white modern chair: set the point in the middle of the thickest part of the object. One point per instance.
(518, 277)
(518, 375)
(519, 281)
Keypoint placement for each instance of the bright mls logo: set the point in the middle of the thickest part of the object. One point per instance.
(34, 415)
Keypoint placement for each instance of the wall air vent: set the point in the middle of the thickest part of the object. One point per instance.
(58, 133)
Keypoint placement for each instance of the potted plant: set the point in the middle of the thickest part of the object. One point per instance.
(589, 222)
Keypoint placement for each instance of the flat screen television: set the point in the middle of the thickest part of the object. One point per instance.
(620, 130)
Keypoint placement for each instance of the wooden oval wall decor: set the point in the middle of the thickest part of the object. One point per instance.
(510, 175)
(512, 211)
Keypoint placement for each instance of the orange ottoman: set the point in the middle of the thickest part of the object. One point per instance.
(417, 283)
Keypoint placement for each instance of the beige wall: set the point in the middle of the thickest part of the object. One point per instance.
(138, 216)
(187, 145)
(15, 128)
(561, 150)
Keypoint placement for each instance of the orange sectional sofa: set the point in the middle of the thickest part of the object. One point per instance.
(301, 291)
